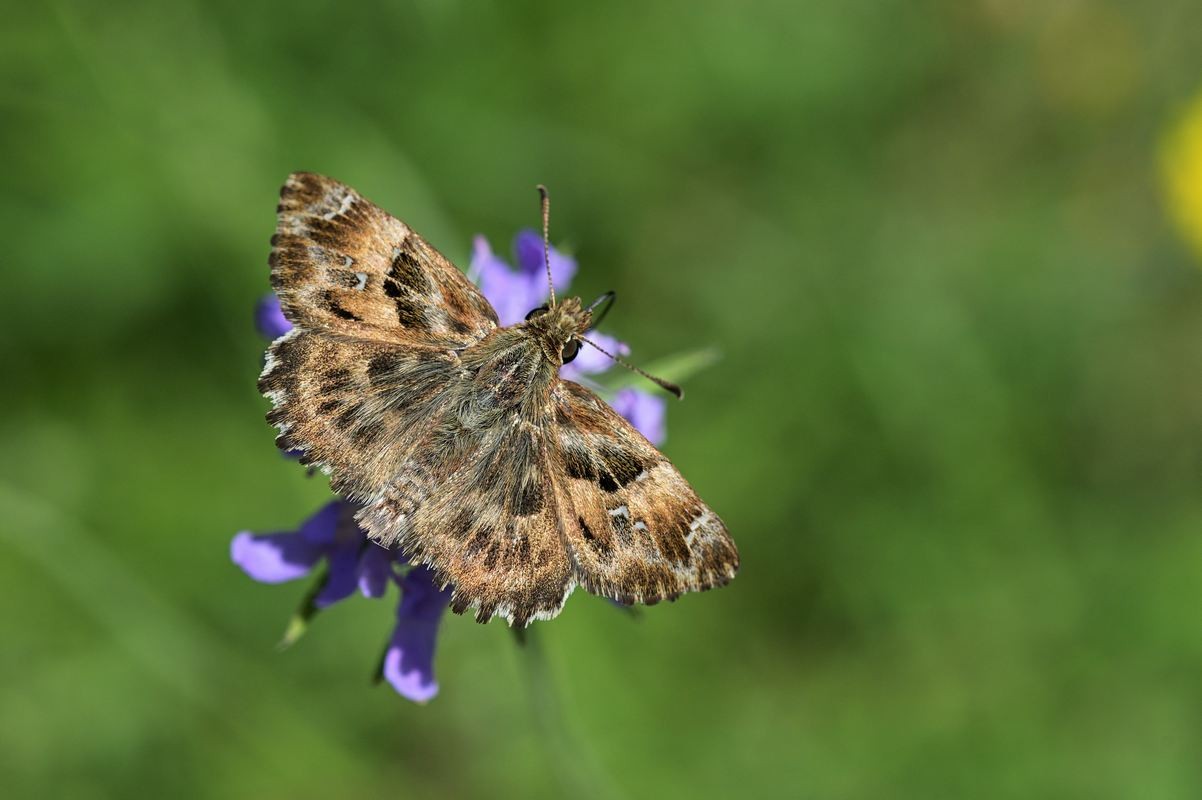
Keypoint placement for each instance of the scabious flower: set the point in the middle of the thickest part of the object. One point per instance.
(353, 561)
(330, 535)
(331, 542)
(269, 318)
(646, 412)
(515, 291)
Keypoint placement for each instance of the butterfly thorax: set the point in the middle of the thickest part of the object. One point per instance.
(516, 367)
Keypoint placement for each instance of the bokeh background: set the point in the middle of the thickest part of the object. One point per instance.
(949, 252)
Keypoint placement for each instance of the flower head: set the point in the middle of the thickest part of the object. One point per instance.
(333, 537)
(513, 292)
(409, 659)
(645, 411)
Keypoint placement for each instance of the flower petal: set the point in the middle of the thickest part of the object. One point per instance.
(645, 411)
(343, 577)
(507, 290)
(375, 569)
(563, 269)
(409, 660)
(528, 253)
(274, 557)
(590, 360)
(269, 317)
(322, 528)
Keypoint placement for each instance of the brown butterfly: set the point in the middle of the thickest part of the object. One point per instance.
(458, 438)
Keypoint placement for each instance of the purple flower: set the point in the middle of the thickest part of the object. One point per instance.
(330, 535)
(353, 561)
(272, 324)
(590, 360)
(514, 292)
(645, 411)
(270, 319)
(409, 660)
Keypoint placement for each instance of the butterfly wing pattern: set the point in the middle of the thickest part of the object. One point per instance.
(636, 530)
(456, 436)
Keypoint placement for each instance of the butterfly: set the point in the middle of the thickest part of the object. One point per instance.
(456, 436)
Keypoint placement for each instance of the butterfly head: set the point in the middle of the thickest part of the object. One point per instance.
(558, 328)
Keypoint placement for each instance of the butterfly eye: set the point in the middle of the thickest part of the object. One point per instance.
(570, 349)
(534, 312)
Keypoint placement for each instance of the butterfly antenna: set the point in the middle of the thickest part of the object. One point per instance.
(667, 386)
(546, 205)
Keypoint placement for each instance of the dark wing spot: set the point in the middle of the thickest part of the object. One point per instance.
(410, 314)
(622, 465)
(479, 540)
(490, 558)
(344, 277)
(349, 416)
(340, 233)
(337, 380)
(408, 273)
(528, 498)
(368, 433)
(601, 544)
(672, 545)
(578, 462)
(383, 365)
(461, 525)
(342, 313)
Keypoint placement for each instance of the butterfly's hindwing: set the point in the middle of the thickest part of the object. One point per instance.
(354, 408)
(637, 531)
(476, 500)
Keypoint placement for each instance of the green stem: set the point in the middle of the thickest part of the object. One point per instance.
(576, 767)
(299, 623)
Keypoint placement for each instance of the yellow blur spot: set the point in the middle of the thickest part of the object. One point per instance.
(1181, 164)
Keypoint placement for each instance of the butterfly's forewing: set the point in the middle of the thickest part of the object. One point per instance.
(636, 530)
(341, 264)
(378, 314)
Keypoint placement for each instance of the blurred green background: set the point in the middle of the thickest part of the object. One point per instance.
(956, 430)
